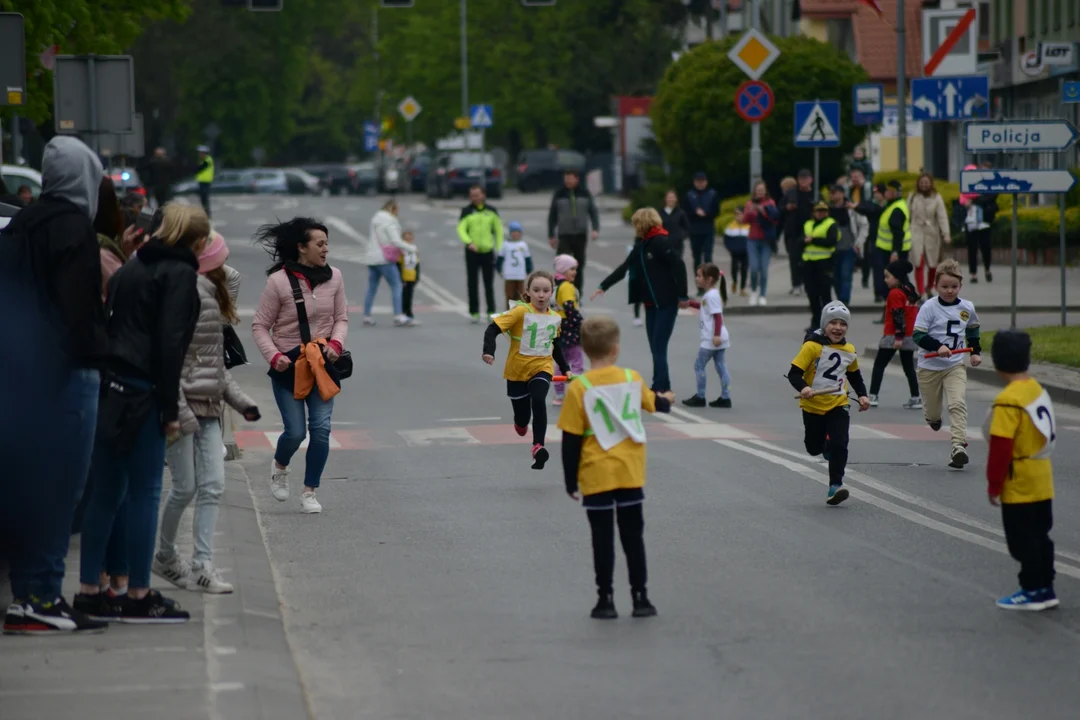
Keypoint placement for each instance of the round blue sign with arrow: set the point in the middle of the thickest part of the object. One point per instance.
(754, 101)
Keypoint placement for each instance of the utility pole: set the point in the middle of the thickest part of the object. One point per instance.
(464, 61)
(901, 89)
(755, 128)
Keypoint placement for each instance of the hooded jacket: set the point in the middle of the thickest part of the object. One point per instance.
(63, 250)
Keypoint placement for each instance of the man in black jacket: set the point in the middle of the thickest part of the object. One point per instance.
(704, 207)
(59, 272)
(572, 209)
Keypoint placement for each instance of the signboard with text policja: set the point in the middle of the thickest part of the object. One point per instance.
(1026, 136)
(941, 99)
(817, 124)
(754, 101)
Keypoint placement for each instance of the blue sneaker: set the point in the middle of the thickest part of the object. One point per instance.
(837, 495)
(1029, 600)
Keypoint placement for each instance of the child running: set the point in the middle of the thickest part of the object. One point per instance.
(946, 323)
(1020, 429)
(603, 453)
(514, 264)
(901, 307)
(818, 374)
(714, 336)
(533, 328)
(567, 301)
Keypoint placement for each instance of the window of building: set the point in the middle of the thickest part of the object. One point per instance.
(841, 34)
(1057, 14)
(985, 17)
(1044, 16)
(1029, 21)
(1071, 8)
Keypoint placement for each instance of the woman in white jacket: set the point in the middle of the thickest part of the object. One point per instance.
(385, 246)
(929, 231)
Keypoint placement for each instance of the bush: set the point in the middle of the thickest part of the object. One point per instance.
(1037, 228)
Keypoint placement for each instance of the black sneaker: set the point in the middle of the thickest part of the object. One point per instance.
(974, 279)
(605, 608)
(959, 457)
(721, 402)
(642, 607)
(695, 401)
(34, 617)
(935, 425)
(989, 276)
(100, 606)
(153, 609)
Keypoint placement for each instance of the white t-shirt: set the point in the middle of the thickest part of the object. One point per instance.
(712, 305)
(948, 325)
(514, 253)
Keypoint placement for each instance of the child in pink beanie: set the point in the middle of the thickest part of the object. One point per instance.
(567, 300)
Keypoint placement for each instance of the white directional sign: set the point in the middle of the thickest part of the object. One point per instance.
(1031, 136)
(997, 182)
(409, 109)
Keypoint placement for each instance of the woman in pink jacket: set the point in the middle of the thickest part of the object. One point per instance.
(298, 248)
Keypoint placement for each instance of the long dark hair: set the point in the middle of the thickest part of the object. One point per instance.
(221, 292)
(108, 221)
(280, 240)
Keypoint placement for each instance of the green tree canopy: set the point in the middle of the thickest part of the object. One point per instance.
(694, 119)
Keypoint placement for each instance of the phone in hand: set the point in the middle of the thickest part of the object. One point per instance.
(143, 220)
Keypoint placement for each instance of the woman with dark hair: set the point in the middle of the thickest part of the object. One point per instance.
(298, 249)
(762, 216)
(675, 221)
(117, 236)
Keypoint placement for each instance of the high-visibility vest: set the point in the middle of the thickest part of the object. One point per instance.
(206, 175)
(811, 251)
(884, 232)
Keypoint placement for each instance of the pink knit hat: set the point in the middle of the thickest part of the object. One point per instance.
(214, 254)
(564, 264)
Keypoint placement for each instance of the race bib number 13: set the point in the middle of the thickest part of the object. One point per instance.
(538, 334)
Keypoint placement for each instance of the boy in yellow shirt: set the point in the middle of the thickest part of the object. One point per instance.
(603, 453)
(825, 361)
(1021, 432)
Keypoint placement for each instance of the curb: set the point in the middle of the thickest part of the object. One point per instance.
(879, 309)
(988, 376)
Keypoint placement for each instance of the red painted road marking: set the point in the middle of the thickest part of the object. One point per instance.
(950, 42)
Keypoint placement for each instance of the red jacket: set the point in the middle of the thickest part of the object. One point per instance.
(900, 309)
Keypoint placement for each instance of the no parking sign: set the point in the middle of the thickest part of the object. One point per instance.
(754, 101)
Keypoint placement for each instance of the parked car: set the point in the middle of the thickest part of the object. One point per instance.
(226, 182)
(126, 180)
(15, 176)
(544, 169)
(366, 177)
(418, 171)
(336, 178)
(287, 181)
(454, 173)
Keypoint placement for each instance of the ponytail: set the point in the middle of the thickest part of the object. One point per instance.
(723, 288)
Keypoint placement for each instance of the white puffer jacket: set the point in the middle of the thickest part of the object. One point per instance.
(385, 231)
(205, 384)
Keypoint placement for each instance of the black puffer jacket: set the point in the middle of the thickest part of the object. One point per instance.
(153, 308)
(657, 271)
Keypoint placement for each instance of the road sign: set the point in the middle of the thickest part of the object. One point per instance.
(940, 99)
(998, 182)
(12, 60)
(461, 123)
(111, 84)
(371, 137)
(131, 145)
(950, 42)
(817, 123)
(409, 109)
(481, 116)
(1030, 136)
(754, 101)
(1070, 93)
(868, 104)
(754, 54)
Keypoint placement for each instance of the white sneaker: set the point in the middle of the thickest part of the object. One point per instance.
(175, 570)
(309, 504)
(873, 400)
(369, 321)
(754, 297)
(208, 580)
(638, 322)
(279, 482)
(762, 302)
(402, 321)
(914, 403)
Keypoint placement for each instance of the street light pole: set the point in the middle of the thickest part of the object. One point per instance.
(464, 62)
(755, 128)
(901, 89)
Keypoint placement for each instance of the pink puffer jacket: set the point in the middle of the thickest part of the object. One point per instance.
(276, 327)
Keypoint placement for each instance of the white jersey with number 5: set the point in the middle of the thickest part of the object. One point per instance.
(513, 254)
(947, 325)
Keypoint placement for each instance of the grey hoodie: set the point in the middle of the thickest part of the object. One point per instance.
(71, 171)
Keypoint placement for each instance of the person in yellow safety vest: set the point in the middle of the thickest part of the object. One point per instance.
(820, 237)
(894, 229)
(205, 177)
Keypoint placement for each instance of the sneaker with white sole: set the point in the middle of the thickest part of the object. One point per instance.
(762, 302)
(914, 403)
(309, 504)
(873, 400)
(279, 482)
(208, 580)
(754, 297)
(959, 457)
(369, 322)
(174, 569)
(638, 322)
(403, 321)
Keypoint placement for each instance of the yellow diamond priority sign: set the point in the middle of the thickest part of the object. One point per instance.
(409, 109)
(754, 54)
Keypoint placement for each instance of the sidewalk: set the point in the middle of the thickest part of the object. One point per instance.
(230, 662)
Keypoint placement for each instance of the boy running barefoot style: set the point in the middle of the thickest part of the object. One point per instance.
(603, 453)
(946, 323)
(818, 373)
(1020, 429)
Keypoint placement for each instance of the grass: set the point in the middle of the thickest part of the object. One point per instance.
(1052, 344)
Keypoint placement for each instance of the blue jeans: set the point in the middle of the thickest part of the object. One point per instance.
(392, 275)
(702, 363)
(318, 424)
(135, 476)
(760, 252)
(41, 506)
(844, 274)
(659, 324)
(197, 464)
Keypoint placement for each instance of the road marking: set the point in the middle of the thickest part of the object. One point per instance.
(863, 432)
(346, 228)
(120, 689)
(472, 419)
(701, 431)
(438, 436)
(273, 435)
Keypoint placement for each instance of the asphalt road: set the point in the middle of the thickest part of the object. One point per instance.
(447, 579)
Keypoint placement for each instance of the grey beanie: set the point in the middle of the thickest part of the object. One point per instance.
(835, 310)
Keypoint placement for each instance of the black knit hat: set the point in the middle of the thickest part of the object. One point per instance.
(900, 269)
(1011, 351)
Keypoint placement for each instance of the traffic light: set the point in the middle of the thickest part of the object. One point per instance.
(537, 3)
(265, 5)
(397, 3)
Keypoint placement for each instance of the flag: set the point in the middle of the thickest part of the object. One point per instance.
(873, 5)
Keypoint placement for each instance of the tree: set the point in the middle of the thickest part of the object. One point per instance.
(694, 119)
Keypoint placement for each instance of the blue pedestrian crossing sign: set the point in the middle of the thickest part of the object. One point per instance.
(481, 116)
(371, 137)
(817, 124)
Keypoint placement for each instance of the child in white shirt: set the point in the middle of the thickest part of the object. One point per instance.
(514, 264)
(714, 335)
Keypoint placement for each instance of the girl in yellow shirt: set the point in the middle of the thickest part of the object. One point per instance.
(533, 328)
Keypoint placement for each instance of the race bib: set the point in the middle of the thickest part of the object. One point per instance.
(1041, 413)
(614, 413)
(411, 260)
(538, 335)
(832, 371)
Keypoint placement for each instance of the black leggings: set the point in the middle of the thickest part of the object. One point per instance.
(533, 404)
(631, 533)
(829, 432)
(739, 261)
(884, 357)
(978, 240)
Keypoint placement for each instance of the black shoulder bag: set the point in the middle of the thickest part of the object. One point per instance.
(343, 366)
(233, 348)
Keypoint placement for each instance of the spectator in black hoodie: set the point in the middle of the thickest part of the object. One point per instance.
(572, 210)
(675, 220)
(703, 208)
(54, 262)
(798, 208)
